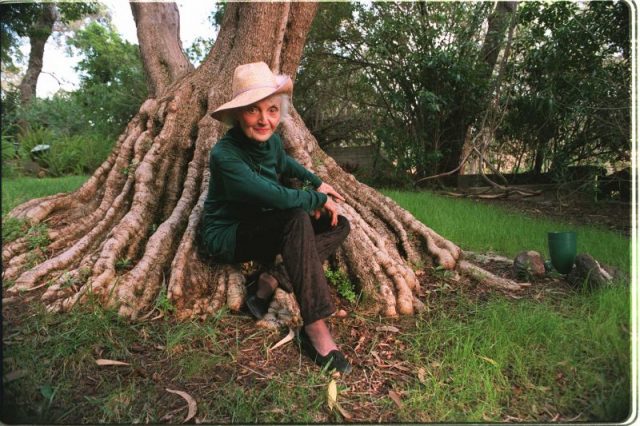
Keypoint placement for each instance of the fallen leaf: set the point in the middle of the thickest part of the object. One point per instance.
(360, 342)
(489, 360)
(396, 398)
(287, 339)
(332, 400)
(193, 406)
(343, 412)
(15, 375)
(332, 394)
(388, 328)
(422, 375)
(104, 362)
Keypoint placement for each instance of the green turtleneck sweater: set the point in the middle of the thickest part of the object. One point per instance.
(244, 182)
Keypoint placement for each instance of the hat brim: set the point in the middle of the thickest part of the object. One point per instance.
(251, 96)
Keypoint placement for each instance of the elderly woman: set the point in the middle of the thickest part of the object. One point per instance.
(250, 215)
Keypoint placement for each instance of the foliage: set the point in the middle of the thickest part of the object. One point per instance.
(570, 85)
(9, 155)
(12, 229)
(201, 46)
(341, 282)
(37, 236)
(111, 90)
(112, 78)
(410, 78)
(67, 155)
(82, 126)
(402, 76)
(18, 21)
(331, 93)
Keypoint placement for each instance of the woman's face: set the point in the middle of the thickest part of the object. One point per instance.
(258, 121)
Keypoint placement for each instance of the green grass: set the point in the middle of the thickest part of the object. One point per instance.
(16, 191)
(517, 359)
(468, 359)
(482, 228)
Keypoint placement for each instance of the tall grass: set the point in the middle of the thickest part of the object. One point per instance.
(479, 227)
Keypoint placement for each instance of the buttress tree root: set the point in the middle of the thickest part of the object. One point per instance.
(126, 237)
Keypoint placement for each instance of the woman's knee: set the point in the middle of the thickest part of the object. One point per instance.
(297, 215)
(344, 225)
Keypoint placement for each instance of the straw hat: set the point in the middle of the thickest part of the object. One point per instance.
(252, 83)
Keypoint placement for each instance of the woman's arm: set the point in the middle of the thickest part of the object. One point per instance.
(241, 183)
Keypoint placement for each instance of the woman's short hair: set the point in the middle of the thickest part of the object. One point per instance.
(229, 118)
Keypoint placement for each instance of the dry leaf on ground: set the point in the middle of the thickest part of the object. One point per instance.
(388, 328)
(332, 394)
(332, 400)
(489, 360)
(422, 375)
(287, 339)
(104, 362)
(396, 398)
(193, 406)
(15, 375)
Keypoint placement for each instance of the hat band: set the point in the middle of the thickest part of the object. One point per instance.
(253, 87)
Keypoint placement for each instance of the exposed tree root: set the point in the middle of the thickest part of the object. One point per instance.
(487, 278)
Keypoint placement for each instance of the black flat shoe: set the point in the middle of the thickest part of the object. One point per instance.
(334, 360)
(257, 305)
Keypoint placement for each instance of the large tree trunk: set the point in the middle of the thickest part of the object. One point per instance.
(158, 28)
(128, 232)
(39, 34)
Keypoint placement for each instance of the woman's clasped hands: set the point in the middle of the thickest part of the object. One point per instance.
(331, 207)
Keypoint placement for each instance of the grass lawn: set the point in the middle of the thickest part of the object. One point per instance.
(558, 354)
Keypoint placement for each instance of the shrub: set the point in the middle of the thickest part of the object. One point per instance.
(9, 156)
(77, 154)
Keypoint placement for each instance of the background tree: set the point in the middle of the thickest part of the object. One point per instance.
(571, 103)
(129, 230)
(36, 21)
(430, 76)
(79, 126)
(332, 94)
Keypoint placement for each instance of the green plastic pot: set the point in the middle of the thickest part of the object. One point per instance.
(562, 250)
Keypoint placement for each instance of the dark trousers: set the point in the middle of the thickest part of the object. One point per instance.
(304, 243)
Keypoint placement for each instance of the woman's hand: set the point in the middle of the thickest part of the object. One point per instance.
(331, 207)
(325, 188)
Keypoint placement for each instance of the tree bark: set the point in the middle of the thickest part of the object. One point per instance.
(128, 233)
(158, 29)
(500, 20)
(39, 34)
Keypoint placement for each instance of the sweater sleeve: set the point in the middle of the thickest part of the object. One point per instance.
(294, 169)
(242, 184)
